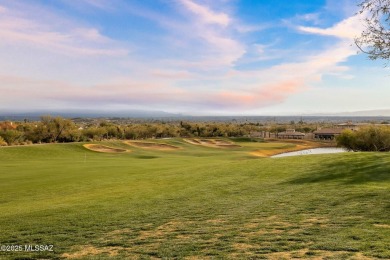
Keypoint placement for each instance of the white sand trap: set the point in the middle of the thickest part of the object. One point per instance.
(103, 149)
(216, 143)
(151, 145)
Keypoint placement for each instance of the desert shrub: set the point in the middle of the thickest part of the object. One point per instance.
(2, 142)
(371, 138)
(12, 136)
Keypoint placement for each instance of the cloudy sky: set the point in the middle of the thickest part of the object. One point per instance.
(198, 57)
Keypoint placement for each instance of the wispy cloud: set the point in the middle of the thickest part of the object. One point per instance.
(205, 14)
(189, 65)
(215, 31)
(310, 17)
(142, 94)
(98, 3)
(19, 27)
(347, 29)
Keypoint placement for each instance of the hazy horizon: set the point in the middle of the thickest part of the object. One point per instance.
(161, 114)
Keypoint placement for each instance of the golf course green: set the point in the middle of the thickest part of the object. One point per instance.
(192, 201)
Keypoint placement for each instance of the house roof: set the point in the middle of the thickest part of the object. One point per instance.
(329, 131)
(346, 125)
(291, 133)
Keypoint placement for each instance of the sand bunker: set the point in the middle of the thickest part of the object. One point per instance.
(103, 148)
(193, 141)
(150, 145)
(216, 143)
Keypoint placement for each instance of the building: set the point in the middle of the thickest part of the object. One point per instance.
(349, 125)
(290, 134)
(332, 133)
(327, 133)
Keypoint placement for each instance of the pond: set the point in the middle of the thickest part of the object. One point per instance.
(312, 151)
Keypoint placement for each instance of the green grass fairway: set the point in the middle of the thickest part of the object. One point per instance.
(195, 202)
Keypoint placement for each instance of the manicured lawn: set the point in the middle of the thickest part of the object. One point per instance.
(193, 202)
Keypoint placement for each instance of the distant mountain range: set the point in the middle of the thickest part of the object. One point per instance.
(380, 113)
(35, 115)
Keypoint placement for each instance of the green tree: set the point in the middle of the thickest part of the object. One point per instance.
(53, 129)
(94, 133)
(371, 138)
(347, 139)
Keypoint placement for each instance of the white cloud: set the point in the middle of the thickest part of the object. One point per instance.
(311, 17)
(215, 30)
(20, 27)
(205, 14)
(348, 28)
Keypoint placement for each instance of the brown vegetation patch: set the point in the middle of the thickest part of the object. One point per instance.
(254, 234)
(89, 250)
(104, 149)
(280, 225)
(273, 217)
(117, 234)
(215, 143)
(151, 145)
(265, 226)
(251, 225)
(243, 255)
(183, 237)
(215, 221)
(242, 246)
(161, 231)
(382, 225)
(315, 255)
(360, 256)
(315, 221)
(197, 257)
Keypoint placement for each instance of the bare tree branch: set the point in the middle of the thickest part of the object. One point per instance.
(375, 39)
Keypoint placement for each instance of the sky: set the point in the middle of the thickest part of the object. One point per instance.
(194, 57)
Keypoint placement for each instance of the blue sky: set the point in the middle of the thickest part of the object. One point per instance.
(198, 57)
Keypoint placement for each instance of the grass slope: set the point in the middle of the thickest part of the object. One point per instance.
(194, 202)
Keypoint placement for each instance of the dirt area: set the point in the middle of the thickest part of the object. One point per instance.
(215, 143)
(299, 145)
(150, 145)
(104, 149)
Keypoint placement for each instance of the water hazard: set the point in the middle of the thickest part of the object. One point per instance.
(312, 151)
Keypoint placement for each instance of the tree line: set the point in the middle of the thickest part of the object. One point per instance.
(57, 129)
